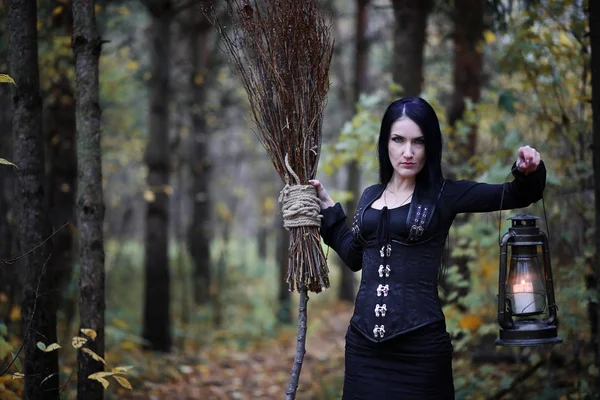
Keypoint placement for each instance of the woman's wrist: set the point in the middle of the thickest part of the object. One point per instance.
(327, 203)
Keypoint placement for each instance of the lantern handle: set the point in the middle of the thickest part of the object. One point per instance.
(552, 308)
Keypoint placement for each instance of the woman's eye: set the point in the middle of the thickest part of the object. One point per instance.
(420, 141)
(397, 139)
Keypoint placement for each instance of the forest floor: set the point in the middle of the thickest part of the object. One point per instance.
(261, 371)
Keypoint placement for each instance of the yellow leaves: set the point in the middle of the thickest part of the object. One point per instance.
(97, 8)
(489, 37)
(150, 193)
(15, 313)
(128, 345)
(470, 322)
(57, 10)
(89, 332)
(132, 65)
(119, 323)
(100, 377)
(123, 10)
(78, 341)
(48, 349)
(149, 196)
(198, 79)
(6, 162)
(93, 355)
(223, 212)
(4, 78)
(18, 375)
(123, 382)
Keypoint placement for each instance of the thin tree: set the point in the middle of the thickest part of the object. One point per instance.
(90, 203)
(347, 289)
(199, 233)
(61, 157)
(594, 21)
(157, 321)
(39, 294)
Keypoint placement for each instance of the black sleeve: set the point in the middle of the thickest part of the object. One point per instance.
(468, 196)
(335, 233)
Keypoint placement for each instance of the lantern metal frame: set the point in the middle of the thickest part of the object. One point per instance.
(527, 331)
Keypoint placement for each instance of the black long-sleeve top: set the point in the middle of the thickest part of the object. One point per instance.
(398, 289)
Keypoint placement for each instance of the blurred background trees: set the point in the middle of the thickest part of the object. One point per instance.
(194, 249)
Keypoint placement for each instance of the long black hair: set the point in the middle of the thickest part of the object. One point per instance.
(421, 113)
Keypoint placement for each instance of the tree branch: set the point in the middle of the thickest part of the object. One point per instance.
(290, 393)
(37, 290)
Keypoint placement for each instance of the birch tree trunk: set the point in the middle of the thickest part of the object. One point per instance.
(157, 321)
(87, 46)
(39, 293)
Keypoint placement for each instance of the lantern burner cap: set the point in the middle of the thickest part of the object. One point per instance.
(523, 220)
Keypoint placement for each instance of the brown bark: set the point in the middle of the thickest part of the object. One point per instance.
(87, 46)
(468, 64)
(9, 282)
(409, 41)
(594, 23)
(39, 290)
(347, 287)
(157, 322)
(59, 124)
(200, 233)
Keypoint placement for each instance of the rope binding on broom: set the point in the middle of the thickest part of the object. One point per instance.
(300, 204)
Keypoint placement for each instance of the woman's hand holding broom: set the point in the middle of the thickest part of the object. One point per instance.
(326, 200)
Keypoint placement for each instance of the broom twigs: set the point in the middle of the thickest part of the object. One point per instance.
(281, 50)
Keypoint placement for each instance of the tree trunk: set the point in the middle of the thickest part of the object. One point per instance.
(199, 233)
(468, 63)
(361, 57)
(282, 245)
(87, 46)
(9, 282)
(594, 21)
(157, 323)
(59, 117)
(409, 42)
(39, 291)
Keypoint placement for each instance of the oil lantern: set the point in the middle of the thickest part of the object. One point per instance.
(526, 305)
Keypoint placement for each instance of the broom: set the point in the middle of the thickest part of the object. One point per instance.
(281, 50)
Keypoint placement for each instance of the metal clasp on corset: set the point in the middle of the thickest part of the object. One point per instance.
(385, 251)
(380, 310)
(382, 290)
(379, 331)
(384, 271)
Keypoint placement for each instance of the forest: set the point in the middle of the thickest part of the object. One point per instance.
(143, 253)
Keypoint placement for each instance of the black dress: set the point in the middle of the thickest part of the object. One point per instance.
(397, 346)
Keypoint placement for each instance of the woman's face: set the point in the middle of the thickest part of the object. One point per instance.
(406, 148)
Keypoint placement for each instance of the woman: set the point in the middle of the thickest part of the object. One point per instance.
(397, 346)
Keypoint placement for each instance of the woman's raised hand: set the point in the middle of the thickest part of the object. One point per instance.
(326, 200)
(528, 160)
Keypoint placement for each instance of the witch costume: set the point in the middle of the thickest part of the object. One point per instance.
(397, 346)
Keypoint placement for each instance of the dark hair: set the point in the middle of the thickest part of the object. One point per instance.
(421, 113)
